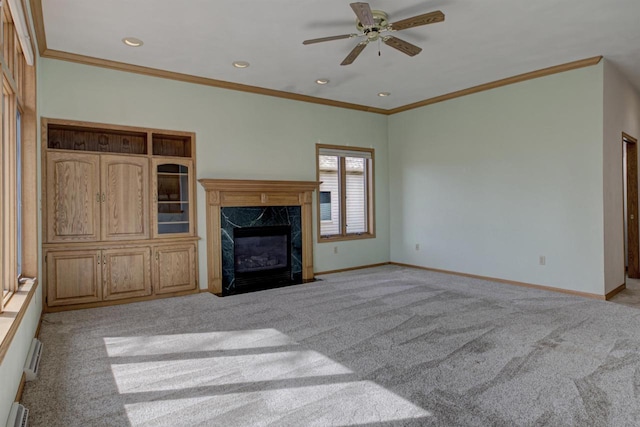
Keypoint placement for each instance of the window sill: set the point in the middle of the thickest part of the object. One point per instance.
(13, 312)
(327, 239)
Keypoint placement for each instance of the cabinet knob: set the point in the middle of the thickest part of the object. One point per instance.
(98, 197)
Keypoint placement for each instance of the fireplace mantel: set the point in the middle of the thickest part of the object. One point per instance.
(254, 193)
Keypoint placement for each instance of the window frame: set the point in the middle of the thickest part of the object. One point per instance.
(342, 153)
(20, 79)
(12, 163)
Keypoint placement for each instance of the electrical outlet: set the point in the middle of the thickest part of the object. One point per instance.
(417, 246)
(335, 249)
(543, 260)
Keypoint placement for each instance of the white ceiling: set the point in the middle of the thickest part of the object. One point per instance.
(479, 41)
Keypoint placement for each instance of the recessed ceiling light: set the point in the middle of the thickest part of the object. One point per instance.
(132, 41)
(322, 81)
(384, 93)
(240, 64)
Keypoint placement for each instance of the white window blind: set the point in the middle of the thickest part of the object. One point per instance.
(344, 153)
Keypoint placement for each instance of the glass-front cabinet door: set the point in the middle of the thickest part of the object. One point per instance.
(173, 205)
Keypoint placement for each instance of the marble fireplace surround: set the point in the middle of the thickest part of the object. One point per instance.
(225, 193)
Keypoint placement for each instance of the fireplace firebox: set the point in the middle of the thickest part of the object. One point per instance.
(262, 257)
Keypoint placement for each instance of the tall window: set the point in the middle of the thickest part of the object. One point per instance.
(345, 197)
(18, 195)
(11, 170)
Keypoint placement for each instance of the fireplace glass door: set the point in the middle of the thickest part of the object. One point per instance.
(262, 256)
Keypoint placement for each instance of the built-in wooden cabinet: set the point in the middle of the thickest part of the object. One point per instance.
(119, 219)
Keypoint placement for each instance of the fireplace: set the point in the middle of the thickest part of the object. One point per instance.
(261, 247)
(262, 257)
(239, 204)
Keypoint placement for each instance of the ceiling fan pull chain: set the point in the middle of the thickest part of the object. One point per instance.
(379, 54)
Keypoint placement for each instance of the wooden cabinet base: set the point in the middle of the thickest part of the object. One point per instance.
(117, 274)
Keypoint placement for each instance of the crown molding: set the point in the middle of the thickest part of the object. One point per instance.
(121, 66)
(503, 82)
(45, 52)
(155, 72)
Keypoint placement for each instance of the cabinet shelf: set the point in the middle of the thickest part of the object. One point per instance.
(80, 138)
(171, 145)
(173, 222)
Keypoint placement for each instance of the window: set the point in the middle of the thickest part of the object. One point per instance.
(18, 196)
(12, 231)
(325, 206)
(345, 197)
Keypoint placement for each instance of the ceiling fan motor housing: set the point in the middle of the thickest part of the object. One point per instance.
(381, 22)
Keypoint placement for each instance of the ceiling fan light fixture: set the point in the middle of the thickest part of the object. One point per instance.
(240, 64)
(322, 81)
(384, 94)
(132, 42)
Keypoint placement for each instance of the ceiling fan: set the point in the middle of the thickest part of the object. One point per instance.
(372, 24)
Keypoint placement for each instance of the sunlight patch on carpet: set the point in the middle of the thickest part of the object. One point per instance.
(249, 377)
(205, 341)
(218, 371)
(343, 404)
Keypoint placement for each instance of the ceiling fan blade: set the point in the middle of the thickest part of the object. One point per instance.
(402, 46)
(416, 21)
(354, 53)
(328, 39)
(363, 12)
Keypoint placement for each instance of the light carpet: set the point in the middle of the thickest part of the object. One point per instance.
(387, 346)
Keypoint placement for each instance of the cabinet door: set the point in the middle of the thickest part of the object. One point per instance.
(125, 187)
(175, 268)
(127, 273)
(172, 198)
(72, 197)
(73, 277)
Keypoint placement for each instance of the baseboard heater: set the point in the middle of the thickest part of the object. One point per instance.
(18, 416)
(32, 363)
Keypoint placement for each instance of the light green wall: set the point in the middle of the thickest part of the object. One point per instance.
(621, 114)
(238, 135)
(489, 182)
